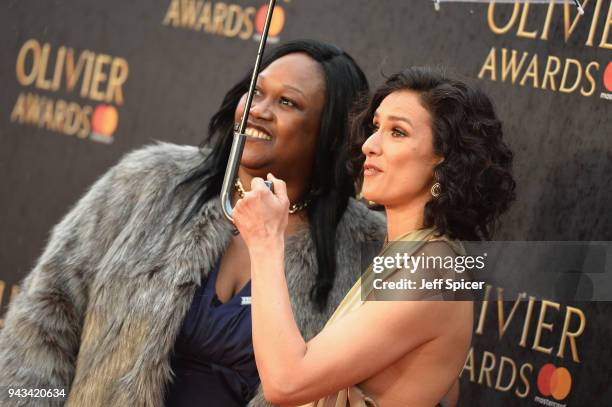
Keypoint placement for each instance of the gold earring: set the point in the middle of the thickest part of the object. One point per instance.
(436, 190)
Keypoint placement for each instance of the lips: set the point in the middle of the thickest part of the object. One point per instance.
(370, 169)
(257, 132)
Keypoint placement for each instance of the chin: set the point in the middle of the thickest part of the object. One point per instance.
(369, 196)
(255, 161)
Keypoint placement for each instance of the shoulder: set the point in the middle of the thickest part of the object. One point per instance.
(443, 245)
(361, 223)
(161, 158)
(152, 169)
(140, 180)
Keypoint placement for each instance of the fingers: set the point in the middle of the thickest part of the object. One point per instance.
(258, 184)
(280, 188)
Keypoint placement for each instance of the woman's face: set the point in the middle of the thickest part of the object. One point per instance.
(399, 155)
(284, 118)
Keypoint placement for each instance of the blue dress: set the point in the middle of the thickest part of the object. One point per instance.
(213, 359)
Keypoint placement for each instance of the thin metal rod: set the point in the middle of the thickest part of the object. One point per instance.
(233, 162)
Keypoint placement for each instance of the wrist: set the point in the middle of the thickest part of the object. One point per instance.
(268, 247)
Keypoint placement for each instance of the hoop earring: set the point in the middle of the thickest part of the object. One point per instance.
(436, 190)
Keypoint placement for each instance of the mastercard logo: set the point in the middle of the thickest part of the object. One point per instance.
(554, 381)
(104, 120)
(276, 24)
(607, 78)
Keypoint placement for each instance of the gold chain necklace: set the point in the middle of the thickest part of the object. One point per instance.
(293, 208)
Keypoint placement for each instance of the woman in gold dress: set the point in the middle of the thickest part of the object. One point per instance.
(435, 159)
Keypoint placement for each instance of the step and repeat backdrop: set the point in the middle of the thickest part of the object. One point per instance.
(83, 82)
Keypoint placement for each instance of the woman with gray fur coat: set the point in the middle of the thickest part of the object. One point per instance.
(134, 300)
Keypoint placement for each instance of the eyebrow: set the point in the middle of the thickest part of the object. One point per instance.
(397, 118)
(293, 88)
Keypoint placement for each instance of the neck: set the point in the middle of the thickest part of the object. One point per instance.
(294, 193)
(296, 188)
(405, 218)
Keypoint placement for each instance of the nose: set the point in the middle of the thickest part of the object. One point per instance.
(371, 147)
(260, 109)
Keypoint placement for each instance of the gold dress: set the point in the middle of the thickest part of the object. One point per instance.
(411, 242)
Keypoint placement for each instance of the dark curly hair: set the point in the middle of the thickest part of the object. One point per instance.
(476, 173)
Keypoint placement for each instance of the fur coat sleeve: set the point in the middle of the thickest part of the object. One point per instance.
(40, 340)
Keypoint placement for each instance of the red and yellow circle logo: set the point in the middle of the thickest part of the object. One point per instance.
(276, 24)
(607, 78)
(105, 119)
(554, 381)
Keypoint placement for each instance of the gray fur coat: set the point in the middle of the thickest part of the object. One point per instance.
(99, 313)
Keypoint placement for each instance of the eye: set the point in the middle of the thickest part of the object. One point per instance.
(257, 92)
(397, 132)
(287, 102)
(374, 127)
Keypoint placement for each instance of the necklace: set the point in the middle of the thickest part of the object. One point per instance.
(293, 208)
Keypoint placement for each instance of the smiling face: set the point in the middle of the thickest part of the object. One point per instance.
(284, 119)
(400, 156)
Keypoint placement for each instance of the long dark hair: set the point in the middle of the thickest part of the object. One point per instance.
(331, 183)
(476, 173)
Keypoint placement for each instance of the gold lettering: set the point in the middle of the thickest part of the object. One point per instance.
(594, 22)
(118, 75)
(521, 28)
(219, 17)
(483, 310)
(524, 380)
(247, 23)
(571, 335)
(590, 78)
(72, 123)
(527, 321)
(469, 365)
(60, 115)
(46, 119)
(90, 57)
(99, 76)
(14, 292)
(563, 87)
(26, 79)
(486, 370)
(189, 11)
(41, 82)
(549, 72)
(549, 14)
(503, 325)
(85, 122)
(18, 113)
(491, 20)
(73, 73)
(500, 374)
(233, 23)
(205, 19)
(532, 71)
(33, 103)
(542, 325)
(604, 37)
(567, 29)
(59, 67)
(510, 65)
(489, 65)
(173, 14)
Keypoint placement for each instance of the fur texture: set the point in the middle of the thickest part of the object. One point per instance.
(100, 312)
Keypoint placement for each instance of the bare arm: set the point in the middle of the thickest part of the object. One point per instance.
(293, 371)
